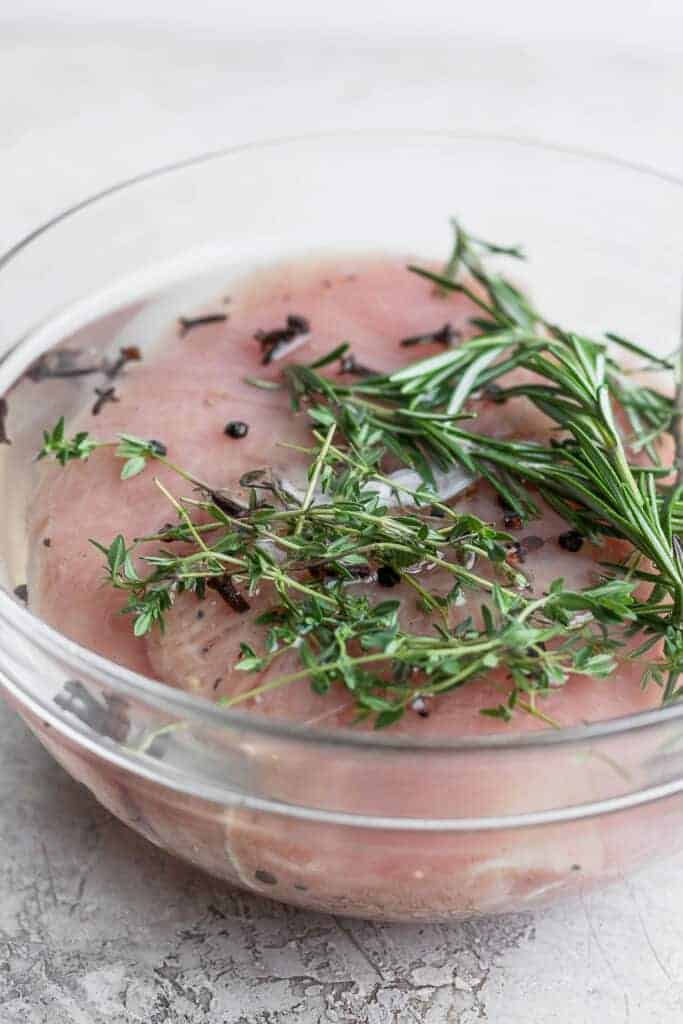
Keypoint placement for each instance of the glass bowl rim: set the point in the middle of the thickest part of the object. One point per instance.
(161, 695)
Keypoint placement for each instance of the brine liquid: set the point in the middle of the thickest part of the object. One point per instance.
(35, 405)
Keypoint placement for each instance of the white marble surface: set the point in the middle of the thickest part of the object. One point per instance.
(96, 926)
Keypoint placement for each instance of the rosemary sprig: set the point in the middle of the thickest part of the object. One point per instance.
(575, 379)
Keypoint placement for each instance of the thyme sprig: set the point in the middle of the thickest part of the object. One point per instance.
(135, 451)
(517, 634)
(311, 553)
(310, 556)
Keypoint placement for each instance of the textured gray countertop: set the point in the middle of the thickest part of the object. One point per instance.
(96, 925)
(99, 927)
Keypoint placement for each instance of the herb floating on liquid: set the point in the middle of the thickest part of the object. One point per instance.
(276, 342)
(133, 449)
(355, 521)
(446, 335)
(128, 354)
(187, 324)
(64, 363)
(104, 395)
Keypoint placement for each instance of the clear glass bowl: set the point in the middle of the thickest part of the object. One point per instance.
(344, 822)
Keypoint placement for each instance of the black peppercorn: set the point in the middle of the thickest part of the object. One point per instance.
(419, 705)
(387, 577)
(571, 540)
(236, 429)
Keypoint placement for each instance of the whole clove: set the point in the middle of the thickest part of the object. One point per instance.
(61, 363)
(104, 395)
(274, 342)
(128, 354)
(188, 324)
(512, 520)
(516, 554)
(64, 363)
(446, 335)
(224, 586)
(349, 364)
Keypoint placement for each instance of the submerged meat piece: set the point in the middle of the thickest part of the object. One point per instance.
(183, 397)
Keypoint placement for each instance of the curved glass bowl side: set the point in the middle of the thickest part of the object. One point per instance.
(351, 822)
(235, 758)
(381, 872)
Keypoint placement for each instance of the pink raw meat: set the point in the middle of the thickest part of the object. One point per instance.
(184, 396)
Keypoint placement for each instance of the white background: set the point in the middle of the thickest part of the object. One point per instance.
(90, 95)
(611, 21)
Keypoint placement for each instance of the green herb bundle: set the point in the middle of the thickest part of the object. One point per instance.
(601, 472)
